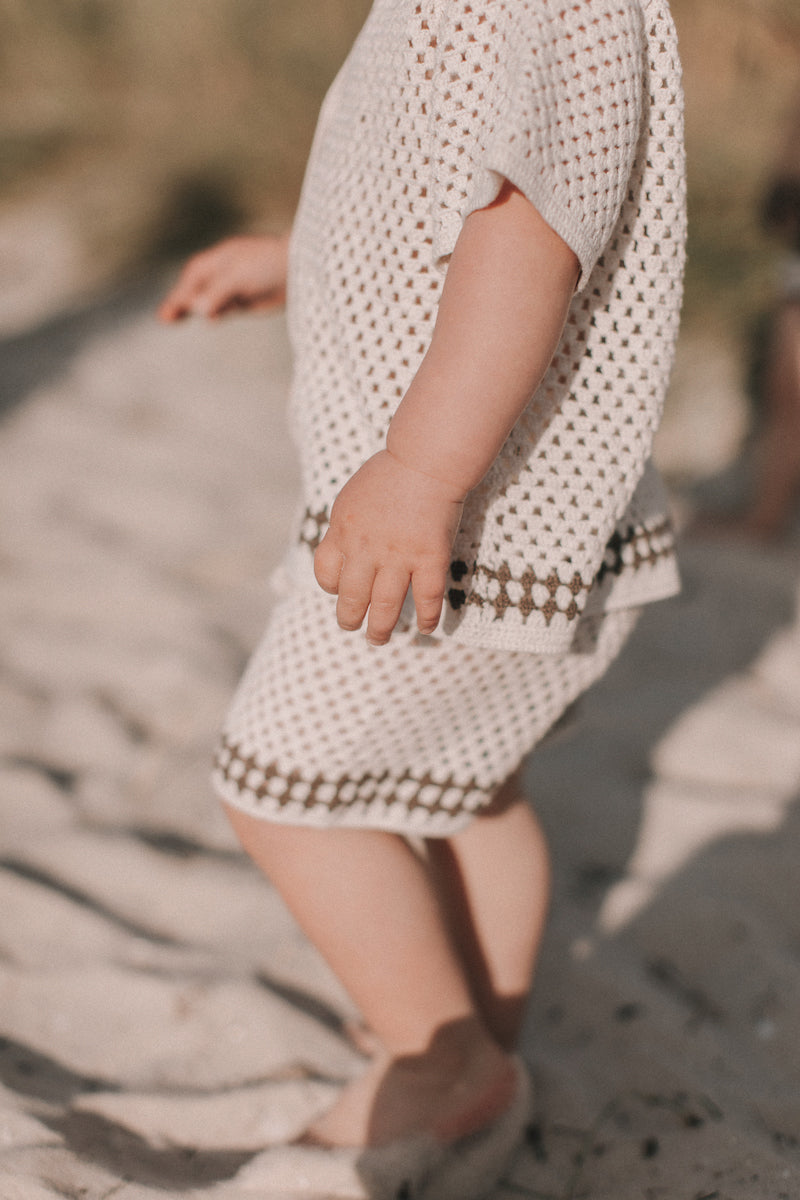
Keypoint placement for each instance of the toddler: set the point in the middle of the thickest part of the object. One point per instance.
(484, 283)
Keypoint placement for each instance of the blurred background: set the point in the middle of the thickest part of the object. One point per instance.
(146, 485)
(133, 132)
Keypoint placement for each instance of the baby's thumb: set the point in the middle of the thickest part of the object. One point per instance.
(328, 562)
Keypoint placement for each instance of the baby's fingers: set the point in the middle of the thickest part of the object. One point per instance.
(328, 562)
(174, 306)
(428, 588)
(355, 591)
(388, 593)
(352, 580)
(215, 296)
(182, 297)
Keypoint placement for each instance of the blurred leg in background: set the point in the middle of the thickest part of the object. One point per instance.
(776, 487)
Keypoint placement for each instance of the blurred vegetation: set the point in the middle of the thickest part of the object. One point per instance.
(741, 62)
(163, 123)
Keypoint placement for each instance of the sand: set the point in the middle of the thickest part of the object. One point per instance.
(161, 1017)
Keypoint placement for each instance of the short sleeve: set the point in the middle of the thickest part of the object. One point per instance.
(546, 94)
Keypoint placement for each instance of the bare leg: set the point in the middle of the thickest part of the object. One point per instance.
(778, 476)
(366, 901)
(494, 878)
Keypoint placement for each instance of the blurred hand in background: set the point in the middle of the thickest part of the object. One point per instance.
(239, 274)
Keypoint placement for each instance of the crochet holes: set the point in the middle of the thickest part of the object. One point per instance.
(439, 102)
(418, 734)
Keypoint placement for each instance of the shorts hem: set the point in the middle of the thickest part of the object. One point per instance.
(388, 818)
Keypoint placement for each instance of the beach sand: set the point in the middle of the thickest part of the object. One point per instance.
(161, 1018)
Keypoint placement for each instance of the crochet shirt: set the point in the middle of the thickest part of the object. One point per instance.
(579, 105)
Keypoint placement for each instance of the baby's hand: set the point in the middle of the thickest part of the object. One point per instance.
(390, 526)
(238, 274)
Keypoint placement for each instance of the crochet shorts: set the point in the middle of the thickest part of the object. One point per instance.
(415, 736)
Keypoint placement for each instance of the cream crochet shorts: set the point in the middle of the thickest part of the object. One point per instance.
(415, 736)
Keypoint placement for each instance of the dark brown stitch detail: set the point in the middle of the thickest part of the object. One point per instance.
(637, 546)
(235, 767)
(645, 547)
(526, 604)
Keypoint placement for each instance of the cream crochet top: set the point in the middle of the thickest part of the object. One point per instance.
(579, 105)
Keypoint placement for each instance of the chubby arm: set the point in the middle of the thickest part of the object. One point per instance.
(501, 313)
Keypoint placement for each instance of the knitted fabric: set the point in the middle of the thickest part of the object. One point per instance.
(414, 737)
(579, 105)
